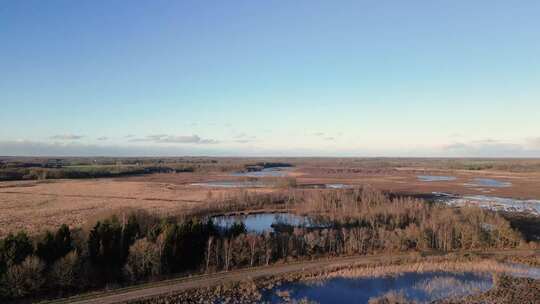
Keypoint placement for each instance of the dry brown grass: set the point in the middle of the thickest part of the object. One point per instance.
(531, 260)
(36, 206)
(507, 289)
(42, 206)
(484, 266)
(404, 179)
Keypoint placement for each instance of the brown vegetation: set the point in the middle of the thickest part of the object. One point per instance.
(508, 290)
(170, 217)
(38, 205)
(420, 266)
(249, 291)
(44, 206)
(141, 247)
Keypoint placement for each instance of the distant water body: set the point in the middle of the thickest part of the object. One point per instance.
(488, 182)
(435, 178)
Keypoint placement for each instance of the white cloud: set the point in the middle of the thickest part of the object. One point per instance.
(35, 148)
(243, 141)
(67, 137)
(534, 142)
(490, 148)
(177, 139)
(243, 138)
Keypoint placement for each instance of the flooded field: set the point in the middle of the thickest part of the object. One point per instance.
(252, 179)
(523, 185)
(492, 203)
(263, 222)
(50, 203)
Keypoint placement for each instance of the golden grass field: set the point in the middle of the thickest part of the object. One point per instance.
(36, 206)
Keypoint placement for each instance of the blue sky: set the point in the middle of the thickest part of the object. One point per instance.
(325, 78)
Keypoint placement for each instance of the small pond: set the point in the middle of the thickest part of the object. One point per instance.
(435, 178)
(488, 182)
(233, 184)
(420, 287)
(262, 222)
(326, 186)
(337, 186)
(266, 172)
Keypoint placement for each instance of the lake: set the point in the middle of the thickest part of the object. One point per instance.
(266, 172)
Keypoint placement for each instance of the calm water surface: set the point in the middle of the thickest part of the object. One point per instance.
(267, 172)
(420, 287)
(262, 222)
(488, 182)
(435, 178)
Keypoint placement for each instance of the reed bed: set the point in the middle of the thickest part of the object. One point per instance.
(481, 266)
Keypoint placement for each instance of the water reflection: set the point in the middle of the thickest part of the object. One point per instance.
(263, 222)
(266, 172)
(420, 287)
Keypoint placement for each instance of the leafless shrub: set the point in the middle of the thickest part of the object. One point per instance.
(25, 278)
(66, 271)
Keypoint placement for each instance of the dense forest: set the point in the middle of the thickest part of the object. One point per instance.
(128, 248)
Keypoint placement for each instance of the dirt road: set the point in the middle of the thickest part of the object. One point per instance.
(178, 285)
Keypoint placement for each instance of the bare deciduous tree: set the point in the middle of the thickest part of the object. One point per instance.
(143, 260)
(65, 272)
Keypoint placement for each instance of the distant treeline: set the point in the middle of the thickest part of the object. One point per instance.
(138, 247)
(353, 165)
(30, 173)
(31, 169)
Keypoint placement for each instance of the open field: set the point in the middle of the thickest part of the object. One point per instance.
(404, 178)
(149, 227)
(396, 175)
(45, 204)
(37, 206)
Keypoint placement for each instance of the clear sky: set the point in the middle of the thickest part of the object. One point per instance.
(323, 78)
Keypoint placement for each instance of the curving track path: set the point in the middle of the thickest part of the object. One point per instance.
(181, 284)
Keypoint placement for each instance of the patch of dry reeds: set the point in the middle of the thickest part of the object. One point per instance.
(481, 266)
